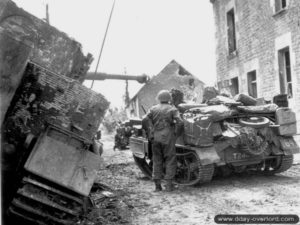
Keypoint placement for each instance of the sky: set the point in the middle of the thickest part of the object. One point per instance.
(143, 37)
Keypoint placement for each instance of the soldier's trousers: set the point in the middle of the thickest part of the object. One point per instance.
(164, 155)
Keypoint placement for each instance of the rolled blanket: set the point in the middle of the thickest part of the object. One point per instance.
(269, 108)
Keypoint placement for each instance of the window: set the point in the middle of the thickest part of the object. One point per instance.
(285, 76)
(252, 85)
(231, 31)
(280, 5)
(234, 88)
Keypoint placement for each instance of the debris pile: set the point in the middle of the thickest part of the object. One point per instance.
(107, 207)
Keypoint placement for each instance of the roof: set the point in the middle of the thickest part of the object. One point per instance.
(166, 70)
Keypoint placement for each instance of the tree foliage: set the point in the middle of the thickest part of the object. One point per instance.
(113, 117)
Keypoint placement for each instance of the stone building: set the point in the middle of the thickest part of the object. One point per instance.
(258, 48)
(172, 76)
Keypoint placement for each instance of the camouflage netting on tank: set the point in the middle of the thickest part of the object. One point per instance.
(44, 97)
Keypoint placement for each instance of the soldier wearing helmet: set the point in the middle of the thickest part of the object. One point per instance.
(162, 119)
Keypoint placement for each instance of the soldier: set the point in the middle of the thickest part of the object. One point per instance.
(162, 119)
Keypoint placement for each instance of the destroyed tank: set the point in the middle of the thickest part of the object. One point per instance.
(224, 137)
(48, 122)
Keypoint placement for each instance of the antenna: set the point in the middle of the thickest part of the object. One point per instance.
(47, 14)
(111, 12)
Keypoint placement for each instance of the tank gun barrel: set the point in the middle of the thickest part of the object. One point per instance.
(103, 76)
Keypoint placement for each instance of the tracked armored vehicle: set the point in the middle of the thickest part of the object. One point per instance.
(48, 122)
(227, 137)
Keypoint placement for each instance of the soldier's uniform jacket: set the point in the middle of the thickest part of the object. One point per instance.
(163, 118)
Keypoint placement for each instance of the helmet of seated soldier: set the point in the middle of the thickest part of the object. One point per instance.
(164, 96)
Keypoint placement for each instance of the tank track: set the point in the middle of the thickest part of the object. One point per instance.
(40, 203)
(204, 173)
(285, 162)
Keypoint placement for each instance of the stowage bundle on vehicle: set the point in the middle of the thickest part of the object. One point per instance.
(217, 112)
(269, 108)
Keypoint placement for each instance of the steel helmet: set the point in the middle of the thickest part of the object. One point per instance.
(164, 96)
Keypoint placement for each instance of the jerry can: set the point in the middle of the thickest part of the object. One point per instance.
(286, 118)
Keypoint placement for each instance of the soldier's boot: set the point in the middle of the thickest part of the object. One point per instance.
(157, 185)
(169, 186)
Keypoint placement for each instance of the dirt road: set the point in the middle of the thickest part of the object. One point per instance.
(243, 194)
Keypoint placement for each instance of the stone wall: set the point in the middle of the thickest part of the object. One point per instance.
(260, 34)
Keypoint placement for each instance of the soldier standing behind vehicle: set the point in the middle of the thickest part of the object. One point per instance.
(162, 119)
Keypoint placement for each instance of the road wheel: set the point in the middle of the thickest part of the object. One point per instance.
(190, 171)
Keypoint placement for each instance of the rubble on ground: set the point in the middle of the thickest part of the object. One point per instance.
(108, 207)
